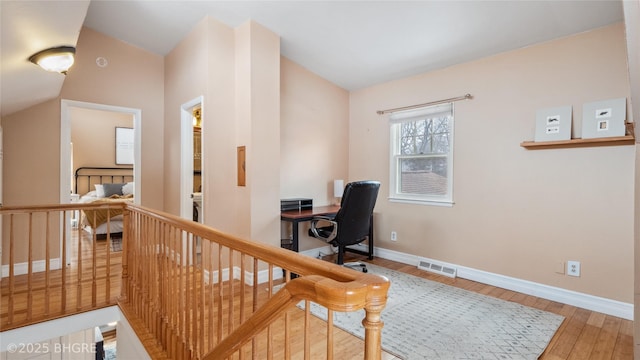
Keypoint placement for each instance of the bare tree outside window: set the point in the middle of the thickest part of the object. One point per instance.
(422, 155)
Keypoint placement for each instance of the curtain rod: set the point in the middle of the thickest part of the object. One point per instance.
(465, 97)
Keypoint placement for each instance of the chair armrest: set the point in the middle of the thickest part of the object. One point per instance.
(314, 229)
(322, 217)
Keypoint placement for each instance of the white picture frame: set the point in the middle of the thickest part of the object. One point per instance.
(553, 124)
(124, 146)
(604, 118)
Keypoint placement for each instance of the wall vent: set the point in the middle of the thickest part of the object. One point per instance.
(438, 268)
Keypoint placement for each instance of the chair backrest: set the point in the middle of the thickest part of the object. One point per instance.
(356, 207)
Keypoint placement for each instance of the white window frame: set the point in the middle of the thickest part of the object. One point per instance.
(397, 118)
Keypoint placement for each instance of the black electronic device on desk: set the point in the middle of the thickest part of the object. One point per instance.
(296, 204)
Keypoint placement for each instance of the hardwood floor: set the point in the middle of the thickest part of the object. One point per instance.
(40, 298)
(584, 334)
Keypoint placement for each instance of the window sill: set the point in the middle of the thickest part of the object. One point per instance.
(423, 202)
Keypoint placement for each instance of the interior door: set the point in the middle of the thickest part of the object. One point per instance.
(191, 169)
(197, 173)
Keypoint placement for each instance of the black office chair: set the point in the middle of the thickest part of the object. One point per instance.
(352, 224)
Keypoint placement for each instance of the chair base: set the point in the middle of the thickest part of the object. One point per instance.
(356, 266)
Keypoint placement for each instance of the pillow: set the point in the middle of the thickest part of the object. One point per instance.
(99, 190)
(112, 189)
(127, 189)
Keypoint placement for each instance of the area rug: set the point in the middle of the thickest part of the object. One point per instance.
(424, 319)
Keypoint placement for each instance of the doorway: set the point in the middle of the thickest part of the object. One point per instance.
(65, 145)
(191, 160)
(66, 192)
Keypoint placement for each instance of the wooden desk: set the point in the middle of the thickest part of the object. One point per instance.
(295, 217)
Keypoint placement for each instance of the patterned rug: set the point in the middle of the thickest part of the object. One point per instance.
(424, 319)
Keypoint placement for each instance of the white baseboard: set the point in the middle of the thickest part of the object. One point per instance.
(263, 275)
(38, 266)
(569, 297)
(325, 250)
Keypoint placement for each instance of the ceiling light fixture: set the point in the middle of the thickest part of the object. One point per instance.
(57, 59)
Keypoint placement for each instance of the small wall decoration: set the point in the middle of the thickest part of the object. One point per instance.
(604, 118)
(242, 171)
(553, 124)
(124, 146)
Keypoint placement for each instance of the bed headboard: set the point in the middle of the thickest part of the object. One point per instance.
(86, 177)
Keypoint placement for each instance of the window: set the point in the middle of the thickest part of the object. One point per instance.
(422, 155)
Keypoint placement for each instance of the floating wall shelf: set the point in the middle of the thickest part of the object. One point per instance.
(574, 143)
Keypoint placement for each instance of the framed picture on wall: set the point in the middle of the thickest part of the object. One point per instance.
(553, 124)
(604, 118)
(124, 146)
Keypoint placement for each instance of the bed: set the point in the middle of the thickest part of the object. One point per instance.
(103, 185)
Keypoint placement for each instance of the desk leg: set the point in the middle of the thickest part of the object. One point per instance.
(371, 238)
(294, 236)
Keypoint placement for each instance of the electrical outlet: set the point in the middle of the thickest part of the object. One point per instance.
(394, 236)
(573, 268)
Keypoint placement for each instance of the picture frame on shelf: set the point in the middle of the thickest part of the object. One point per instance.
(553, 124)
(604, 118)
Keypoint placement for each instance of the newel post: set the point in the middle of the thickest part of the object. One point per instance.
(372, 322)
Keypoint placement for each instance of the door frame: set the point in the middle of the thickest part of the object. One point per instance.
(65, 152)
(186, 156)
(65, 145)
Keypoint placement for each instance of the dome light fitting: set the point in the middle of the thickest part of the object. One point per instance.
(57, 59)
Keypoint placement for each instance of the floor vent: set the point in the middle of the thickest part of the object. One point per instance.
(434, 267)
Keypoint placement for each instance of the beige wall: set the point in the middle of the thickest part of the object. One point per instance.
(632, 26)
(31, 160)
(314, 136)
(517, 212)
(31, 155)
(185, 79)
(258, 128)
(237, 71)
(283, 160)
(133, 79)
(93, 136)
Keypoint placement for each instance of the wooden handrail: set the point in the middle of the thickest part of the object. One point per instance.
(168, 285)
(58, 207)
(332, 286)
(334, 295)
(41, 274)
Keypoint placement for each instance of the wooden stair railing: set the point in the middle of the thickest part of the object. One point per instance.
(221, 286)
(337, 296)
(192, 292)
(51, 269)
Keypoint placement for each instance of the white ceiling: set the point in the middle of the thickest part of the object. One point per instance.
(353, 44)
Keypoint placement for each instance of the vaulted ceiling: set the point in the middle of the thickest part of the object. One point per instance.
(353, 44)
